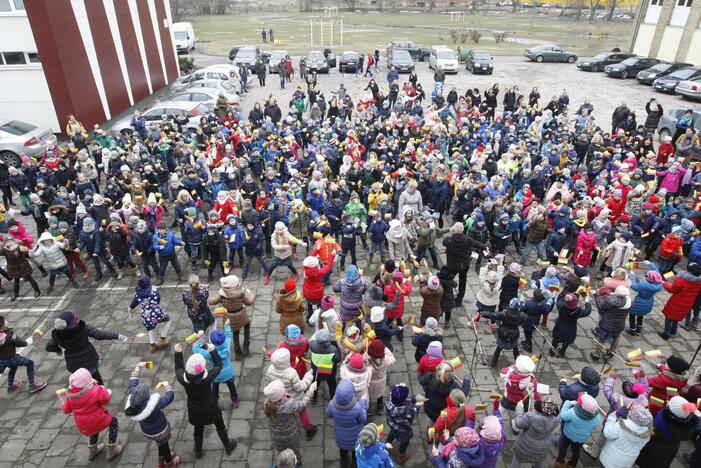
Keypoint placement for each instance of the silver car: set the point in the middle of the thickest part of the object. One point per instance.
(219, 86)
(17, 137)
(689, 89)
(206, 96)
(276, 57)
(193, 110)
(667, 125)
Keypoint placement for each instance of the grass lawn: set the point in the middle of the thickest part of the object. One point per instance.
(365, 31)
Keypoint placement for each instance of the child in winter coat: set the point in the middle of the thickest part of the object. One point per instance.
(533, 444)
(325, 316)
(234, 235)
(549, 284)
(280, 369)
(463, 451)
(147, 409)
(430, 332)
(9, 342)
(448, 284)
(87, 401)
(457, 414)
(202, 407)
(142, 247)
(625, 437)
(671, 250)
(586, 245)
(213, 250)
(581, 418)
(677, 422)
(672, 374)
(49, 253)
(227, 375)
(383, 331)
(429, 361)
(236, 297)
(164, 243)
(195, 299)
(370, 452)
(355, 370)
(438, 386)
(325, 358)
(313, 287)
(193, 235)
(646, 288)
(396, 290)
(507, 334)
(534, 309)
(151, 313)
(401, 411)
(492, 436)
(350, 415)
(282, 410)
(490, 287)
(431, 292)
(568, 313)
(380, 360)
(290, 305)
(520, 385)
(298, 346)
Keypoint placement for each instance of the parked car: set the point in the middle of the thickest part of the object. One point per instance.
(184, 37)
(350, 62)
(17, 137)
(479, 61)
(316, 56)
(659, 70)
(234, 50)
(225, 87)
(444, 58)
(275, 57)
(598, 62)
(416, 52)
(630, 67)
(549, 53)
(247, 56)
(206, 96)
(224, 72)
(666, 84)
(401, 60)
(689, 89)
(155, 113)
(667, 125)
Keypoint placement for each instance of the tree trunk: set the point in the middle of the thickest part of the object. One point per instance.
(592, 9)
(514, 5)
(580, 6)
(612, 10)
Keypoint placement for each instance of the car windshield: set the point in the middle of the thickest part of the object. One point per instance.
(225, 85)
(352, 56)
(15, 127)
(180, 35)
(445, 54)
(246, 54)
(401, 55)
(684, 73)
(601, 56)
(660, 67)
(318, 55)
(481, 56)
(278, 54)
(630, 61)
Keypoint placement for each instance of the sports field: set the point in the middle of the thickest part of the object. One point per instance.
(366, 31)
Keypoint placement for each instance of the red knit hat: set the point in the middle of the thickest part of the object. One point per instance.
(376, 349)
(290, 285)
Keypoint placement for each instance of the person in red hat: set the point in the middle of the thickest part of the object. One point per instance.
(290, 306)
(313, 287)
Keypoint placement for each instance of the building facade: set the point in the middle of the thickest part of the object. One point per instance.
(669, 30)
(90, 58)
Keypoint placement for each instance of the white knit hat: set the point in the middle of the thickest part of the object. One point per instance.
(433, 283)
(275, 390)
(680, 407)
(310, 262)
(196, 365)
(525, 365)
(377, 314)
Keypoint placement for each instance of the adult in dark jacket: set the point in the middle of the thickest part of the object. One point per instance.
(448, 284)
(509, 322)
(675, 423)
(655, 111)
(71, 337)
(9, 359)
(534, 309)
(458, 248)
(587, 382)
(613, 311)
(260, 72)
(437, 387)
(202, 407)
(509, 286)
(565, 330)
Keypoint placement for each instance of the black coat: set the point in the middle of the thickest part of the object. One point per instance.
(458, 249)
(662, 448)
(565, 330)
(8, 347)
(534, 310)
(509, 290)
(511, 320)
(437, 392)
(202, 407)
(76, 347)
(448, 297)
(421, 341)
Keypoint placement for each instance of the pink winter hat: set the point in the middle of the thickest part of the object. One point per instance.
(466, 437)
(80, 378)
(327, 302)
(491, 428)
(588, 403)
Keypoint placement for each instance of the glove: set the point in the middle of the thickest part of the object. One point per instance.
(622, 412)
(122, 338)
(210, 347)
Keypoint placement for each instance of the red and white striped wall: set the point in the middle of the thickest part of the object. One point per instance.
(102, 56)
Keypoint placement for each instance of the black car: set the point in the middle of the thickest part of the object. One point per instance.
(659, 70)
(479, 61)
(598, 62)
(630, 67)
(416, 52)
(350, 62)
(668, 83)
(401, 60)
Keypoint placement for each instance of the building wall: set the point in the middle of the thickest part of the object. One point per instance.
(24, 92)
(644, 39)
(670, 42)
(694, 52)
(101, 56)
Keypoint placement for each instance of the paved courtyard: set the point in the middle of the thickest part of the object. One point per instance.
(35, 433)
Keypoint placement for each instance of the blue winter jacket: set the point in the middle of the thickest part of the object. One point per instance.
(695, 251)
(578, 424)
(378, 231)
(468, 456)
(90, 241)
(224, 350)
(374, 456)
(350, 415)
(237, 230)
(150, 416)
(643, 302)
(168, 248)
(142, 243)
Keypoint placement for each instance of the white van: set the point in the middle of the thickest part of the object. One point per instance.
(444, 58)
(184, 37)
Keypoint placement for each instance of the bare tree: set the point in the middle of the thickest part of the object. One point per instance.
(612, 10)
(593, 5)
(431, 5)
(514, 5)
(178, 8)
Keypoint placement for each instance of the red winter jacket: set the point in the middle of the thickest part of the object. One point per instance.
(428, 364)
(87, 405)
(671, 247)
(616, 207)
(313, 288)
(514, 392)
(586, 243)
(448, 422)
(658, 386)
(390, 292)
(684, 290)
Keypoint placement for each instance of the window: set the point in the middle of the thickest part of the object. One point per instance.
(19, 5)
(684, 3)
(9, 6)
(33, 57)
(14, 58)
(656, 2)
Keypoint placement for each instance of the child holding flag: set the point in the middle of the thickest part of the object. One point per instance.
(457, 414)
(324, 360)
(671, 379)
(370, 451)
(401, 411)
(222, 342)
(492, 433)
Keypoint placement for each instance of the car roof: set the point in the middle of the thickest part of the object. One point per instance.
(185, 105)
(479, 50)
(211, 91)
(349, 52)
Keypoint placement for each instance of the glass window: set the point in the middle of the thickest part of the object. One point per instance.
(19, 5)
(5, 5)
(14, 58)
(16, 127)
(33, 57)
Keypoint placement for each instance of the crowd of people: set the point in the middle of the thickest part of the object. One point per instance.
(611, 217)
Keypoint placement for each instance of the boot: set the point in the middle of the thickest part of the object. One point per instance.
(114, 274)
(74, 283)
(237, 354)
(14, 298)
(113, 451)
(98, 276)
(557, 464)
(198, 452)
(235, 401)
(43, 271)
(230, 447)
(493, 362)
(163, 343)
(120, 274)
(48, 291)
(94, 450)
(380, 406)
(36, 386)
(311, 432)
(37, 293)
(246, 351)
(159, 281)
(403, 458)
(153, 347)
(631, 331)
(86, 274)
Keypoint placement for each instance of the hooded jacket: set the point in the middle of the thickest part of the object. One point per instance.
(349, 413)
(291, 307)
(9, 342)
(624, 441)
(398, 241)
(669, 432)
(165, 245)
(453, 456)
(401, 416)
(373, 456)
(533, 443)
(658, 386)
(324, 352)
(378, 375)
(613, 311)
(150, 415)
(352, 293)
(224, 350)
(149, 299)
(565, 330)
(488, 293)
(280, 369)
(360, 378)
(88, 408)
(202, 407)
(437, 392)
(75, 345)
(684, 290)
(51, 257)
(645, 300)
(390, 292)
(431, 306)
(578, 423)
(235, 299)
(312, 288)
